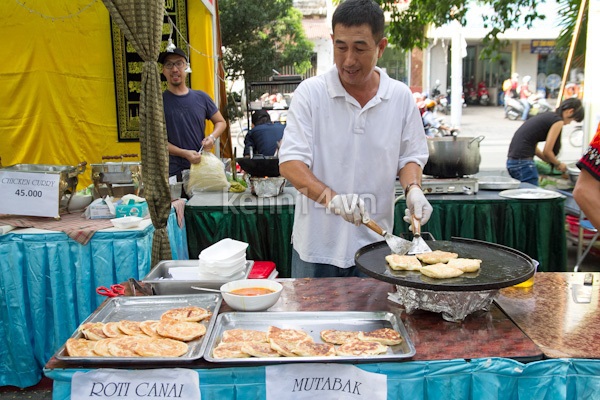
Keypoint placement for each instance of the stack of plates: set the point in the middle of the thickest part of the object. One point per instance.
(224, 259)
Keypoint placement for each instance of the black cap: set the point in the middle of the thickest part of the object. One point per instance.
(177, 51)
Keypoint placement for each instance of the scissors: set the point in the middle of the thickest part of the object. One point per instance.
(114, 291)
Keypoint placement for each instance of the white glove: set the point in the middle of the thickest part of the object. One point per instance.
(417, 205)
(350, 207)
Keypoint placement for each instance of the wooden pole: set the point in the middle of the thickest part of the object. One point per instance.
(572, 49)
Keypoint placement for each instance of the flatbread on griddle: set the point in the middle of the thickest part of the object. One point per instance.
(244, 335)
(338, 337)
(180, 330)
(436, 256)
(403, 263)
(465, 264)
(385, 336)
(441, 271)
(161, 347)
(229, 350)
(361, 348)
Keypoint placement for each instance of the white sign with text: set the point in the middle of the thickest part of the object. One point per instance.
(27, 193)
(172, 383)
(323, 382)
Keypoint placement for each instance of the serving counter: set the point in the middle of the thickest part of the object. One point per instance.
(48, 286)
(487, 356)
(535, 227)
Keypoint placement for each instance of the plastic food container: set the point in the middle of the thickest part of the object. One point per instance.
(224, 251)
(126, 222)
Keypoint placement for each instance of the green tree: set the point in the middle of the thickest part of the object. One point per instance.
(261, 35)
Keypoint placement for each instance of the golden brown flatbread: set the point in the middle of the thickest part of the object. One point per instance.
(361, 348)
(244, 335)
(258, 349)
(338, 337)
(385, 336)
(308, 348)
(149, 327)
(284, 347)
(131, 328)
(403, 263)
(189, 314)
(161, 347)
(180, 330)
(289, 335)
(111, 330)
(229, 350)
(80, 347)
(124, 346)
(101, 347)
(436, 256)
(465, 264)
(93, 331)
(441, 271)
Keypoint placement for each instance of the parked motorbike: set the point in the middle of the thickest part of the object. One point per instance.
(483, 94)
(470, 94)
(514, 107)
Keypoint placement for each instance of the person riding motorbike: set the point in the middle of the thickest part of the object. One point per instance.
(433, 126)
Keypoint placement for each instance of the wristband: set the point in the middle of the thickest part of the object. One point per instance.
(407, 188)
(214, 139)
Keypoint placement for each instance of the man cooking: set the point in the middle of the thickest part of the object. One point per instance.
(186, 112)
(348, 133)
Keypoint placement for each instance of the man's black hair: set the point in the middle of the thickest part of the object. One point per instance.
(360, 12)
(260, 117)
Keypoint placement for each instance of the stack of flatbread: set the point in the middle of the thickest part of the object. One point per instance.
(437, 264)
(277, 342)
(166, 337)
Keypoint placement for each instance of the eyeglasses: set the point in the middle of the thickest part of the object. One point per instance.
(179, 64)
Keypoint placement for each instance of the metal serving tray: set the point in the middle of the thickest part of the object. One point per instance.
(159, 278)
(312, 323)
(143, 308)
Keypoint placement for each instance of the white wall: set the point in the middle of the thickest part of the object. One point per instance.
(527, 63)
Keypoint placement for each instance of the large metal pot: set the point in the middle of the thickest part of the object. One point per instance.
(453, 156)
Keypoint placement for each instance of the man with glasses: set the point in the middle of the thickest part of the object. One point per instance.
(186, 112)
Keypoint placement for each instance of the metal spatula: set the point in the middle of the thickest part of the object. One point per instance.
(397, 244)
(418, 245)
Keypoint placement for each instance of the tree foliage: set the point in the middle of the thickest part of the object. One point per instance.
(261, 35)
(567, 13)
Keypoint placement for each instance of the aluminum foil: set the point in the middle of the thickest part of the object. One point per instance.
(454, 306)
(267, 187)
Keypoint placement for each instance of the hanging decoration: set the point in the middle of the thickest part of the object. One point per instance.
(56, 18)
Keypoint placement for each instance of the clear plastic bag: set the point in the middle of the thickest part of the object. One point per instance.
(208, 175)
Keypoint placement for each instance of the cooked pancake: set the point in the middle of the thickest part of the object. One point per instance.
(229, 350)
(111, 330)
(284, 347)
(338, 337)
(257, 349)
(93, 331)
(361, 348)
(403, 263)
(101, 347)
(180, 330)
(436, 256)
(80, 347)
(131, 328)
(189, 314)
(308, 348)
(244, 335)
(289, 335)
(161, 347)
(124, 346)
(149, 327)
(465, 264)
(441, 271)
(385, 336)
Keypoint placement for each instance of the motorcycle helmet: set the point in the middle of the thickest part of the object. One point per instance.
(430, 104)
(526, 79)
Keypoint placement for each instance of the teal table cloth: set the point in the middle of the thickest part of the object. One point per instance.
(48, 287)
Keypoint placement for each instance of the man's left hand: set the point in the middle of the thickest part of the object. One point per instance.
(417, 205)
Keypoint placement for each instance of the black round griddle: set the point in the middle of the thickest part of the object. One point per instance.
(260, 167)
(501, 266)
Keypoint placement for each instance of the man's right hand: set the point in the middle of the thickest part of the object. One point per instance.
(350, 207)
(192, 156)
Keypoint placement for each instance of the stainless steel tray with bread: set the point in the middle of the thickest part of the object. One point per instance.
(283, 337)
(170, 277)
(144, 330)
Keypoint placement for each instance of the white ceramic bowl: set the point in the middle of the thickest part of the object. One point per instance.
(126, 222)
(251, 303)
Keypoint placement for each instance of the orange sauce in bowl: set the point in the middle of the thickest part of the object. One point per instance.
(252, 291)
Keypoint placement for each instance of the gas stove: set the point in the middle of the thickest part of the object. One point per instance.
(431, 185)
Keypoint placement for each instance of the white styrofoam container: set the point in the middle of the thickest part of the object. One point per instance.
(225, 250)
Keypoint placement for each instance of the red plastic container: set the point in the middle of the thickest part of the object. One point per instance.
(262, 270)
